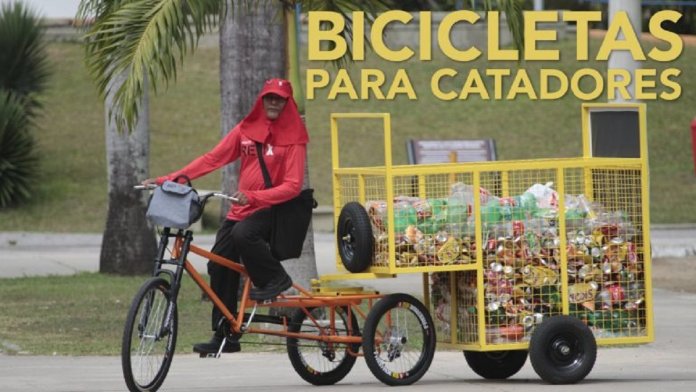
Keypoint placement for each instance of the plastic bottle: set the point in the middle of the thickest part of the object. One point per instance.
(404, 216)
(490, 212)
(457, 214)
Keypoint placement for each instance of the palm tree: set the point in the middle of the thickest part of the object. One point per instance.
(18, 159)
(150, 37)
(24, 66)
(23, 74)
(128, 239)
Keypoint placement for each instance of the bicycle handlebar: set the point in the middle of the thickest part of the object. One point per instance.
(144, 187)
(224, 196)
(205, 196)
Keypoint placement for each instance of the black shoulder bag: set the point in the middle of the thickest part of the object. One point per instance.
(290, 220)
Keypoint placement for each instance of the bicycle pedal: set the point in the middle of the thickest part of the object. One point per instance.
(208, 355)
(269, 301)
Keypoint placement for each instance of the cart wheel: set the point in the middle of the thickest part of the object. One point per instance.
(323, 363)
(562, 350)
(354, 237)
(496, 365)
(398, 340)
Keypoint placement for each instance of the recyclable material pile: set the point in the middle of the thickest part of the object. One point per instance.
(521, 258)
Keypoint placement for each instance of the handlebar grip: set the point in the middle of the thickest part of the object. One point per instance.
(144, 187)
(227, 197)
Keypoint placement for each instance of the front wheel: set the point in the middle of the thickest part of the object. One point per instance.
(323, 363)
(496, 365)
(399, 340)
(562, 350)
(149, 337)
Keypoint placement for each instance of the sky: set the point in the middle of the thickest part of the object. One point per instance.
(51, 8)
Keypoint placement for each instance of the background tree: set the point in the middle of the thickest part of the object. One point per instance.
(18, 160)
(128, 241)
(150, 37)
(24, 72)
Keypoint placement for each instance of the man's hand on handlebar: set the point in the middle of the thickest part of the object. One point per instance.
(241, 198)
(149, 181)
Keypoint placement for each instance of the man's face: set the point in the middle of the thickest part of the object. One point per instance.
(273, 104)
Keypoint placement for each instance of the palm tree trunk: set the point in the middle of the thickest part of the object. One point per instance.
(253, 49)
(128, 244)
(305, 268)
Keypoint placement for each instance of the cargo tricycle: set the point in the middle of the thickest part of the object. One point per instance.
(325, 330)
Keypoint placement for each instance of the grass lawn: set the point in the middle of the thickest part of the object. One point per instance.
(70, 192)
(85, 313)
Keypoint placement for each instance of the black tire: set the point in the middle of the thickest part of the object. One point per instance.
(562, 350)
(398, 340)
(496, 365)
(354, 237)
(317, 362)
(148, 344)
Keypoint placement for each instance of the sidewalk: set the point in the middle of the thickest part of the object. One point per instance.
(36, 254)
(30, 254)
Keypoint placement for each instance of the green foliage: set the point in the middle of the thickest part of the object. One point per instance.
(18, 161)
(23, 75)
(147, 39)
(24, 68)
(83, 314)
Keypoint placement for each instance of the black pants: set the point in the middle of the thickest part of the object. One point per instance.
(243, 241)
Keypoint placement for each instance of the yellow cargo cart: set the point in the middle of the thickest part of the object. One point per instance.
(543, 258)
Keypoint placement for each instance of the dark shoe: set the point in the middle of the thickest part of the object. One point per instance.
(272, 289)
(213, 346)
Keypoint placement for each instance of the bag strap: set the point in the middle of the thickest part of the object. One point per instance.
(264, 170)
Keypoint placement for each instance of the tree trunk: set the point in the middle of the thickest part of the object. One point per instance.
(304, 269)
(128, 244)
(253, 45)
(252, 49)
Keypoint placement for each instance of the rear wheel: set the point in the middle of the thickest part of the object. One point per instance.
(496, 365)
(323, 363)
(399, 340)
(149, 337)
(354, 237)
(562, 350)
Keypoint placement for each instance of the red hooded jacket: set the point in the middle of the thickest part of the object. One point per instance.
(284, 149)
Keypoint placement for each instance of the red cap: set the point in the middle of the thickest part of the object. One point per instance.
(281, 87)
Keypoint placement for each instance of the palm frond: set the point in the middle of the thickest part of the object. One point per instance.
(147, 40)
(513, 10)
(95, 9)
(18, 160)
(24, 68)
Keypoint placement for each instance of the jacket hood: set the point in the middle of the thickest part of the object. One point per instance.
(287, 129)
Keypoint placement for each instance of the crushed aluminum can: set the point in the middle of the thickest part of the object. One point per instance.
(449, 251)
(581, 292)
(496, 267)
(539, 276)
(517, 228)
